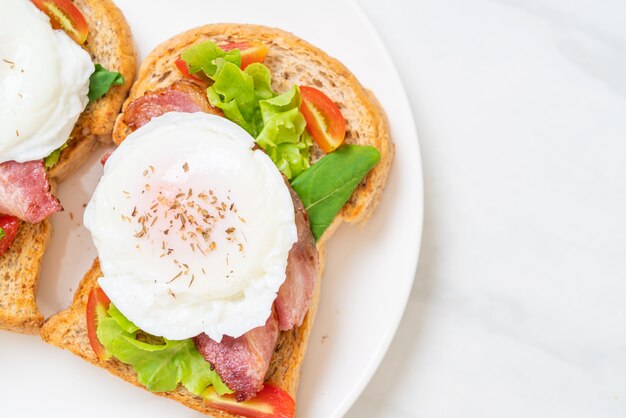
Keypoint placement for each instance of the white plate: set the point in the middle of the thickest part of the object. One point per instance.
(369, 270)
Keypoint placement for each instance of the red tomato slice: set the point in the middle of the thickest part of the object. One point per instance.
(184, 70)
(324, 120)
(105, 157)
(64, 15)
(271, 402)
(9, 225)
(97, 306)
(250, 52)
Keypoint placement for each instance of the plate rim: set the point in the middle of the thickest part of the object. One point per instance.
(360, 381)
(365, 377)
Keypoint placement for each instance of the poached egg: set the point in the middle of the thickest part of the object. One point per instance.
(44, 81)
(193, 227)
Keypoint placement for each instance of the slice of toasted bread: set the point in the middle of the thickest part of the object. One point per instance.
(291, 61)
(110, 44)
(68, 330)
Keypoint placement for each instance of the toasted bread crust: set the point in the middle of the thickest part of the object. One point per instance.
(19, 273)
(109, 43)
(291, 61)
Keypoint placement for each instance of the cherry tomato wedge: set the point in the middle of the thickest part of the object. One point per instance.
(324, 120)
(250, 52)
(271, 402)
(97, 306)
(9, 225)
(64, 15)
(105, 157)
(184, 70)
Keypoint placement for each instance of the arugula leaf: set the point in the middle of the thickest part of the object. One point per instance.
(161, 364)
(101, 82)
(203, 57)
(328, 184)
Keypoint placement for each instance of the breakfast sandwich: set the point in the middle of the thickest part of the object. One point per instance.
(65, 69)
(241, 150)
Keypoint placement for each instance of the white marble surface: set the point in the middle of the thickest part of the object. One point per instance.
(519, 304)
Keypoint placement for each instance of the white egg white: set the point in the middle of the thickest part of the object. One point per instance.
(44, 81)
(193, 228)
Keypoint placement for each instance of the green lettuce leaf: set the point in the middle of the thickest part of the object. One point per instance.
(234, 93)
(282, 134)
(121, 320)
(101, 82)
(246, 98)
(52, 159)
(262, 80)
(161, 364)
(203, 57)
(328, 184)
(2, 233)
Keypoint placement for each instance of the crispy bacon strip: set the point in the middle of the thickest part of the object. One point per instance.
(181, 96)
(25, 191)
(294, 296)
(242, 362)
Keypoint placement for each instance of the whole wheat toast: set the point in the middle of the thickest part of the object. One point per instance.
(110, 44)
(290, 60)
